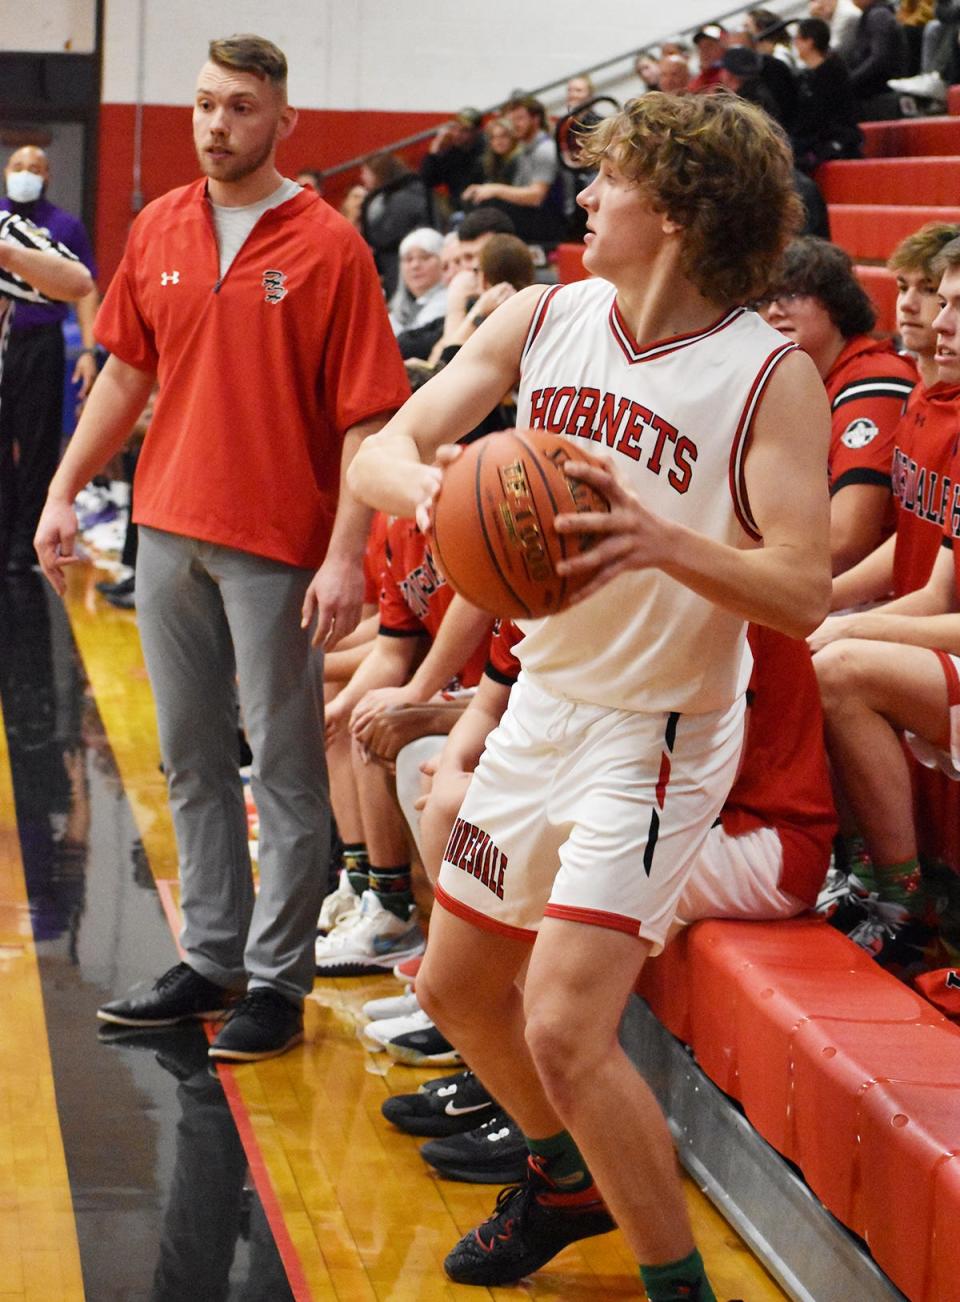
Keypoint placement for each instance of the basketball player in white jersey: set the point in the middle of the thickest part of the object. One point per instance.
(624, 730)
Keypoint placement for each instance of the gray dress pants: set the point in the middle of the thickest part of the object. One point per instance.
(209, 615)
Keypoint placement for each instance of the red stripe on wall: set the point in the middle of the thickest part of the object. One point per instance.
(323, 137)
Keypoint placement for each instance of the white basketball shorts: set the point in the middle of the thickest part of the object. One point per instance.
(586, 813)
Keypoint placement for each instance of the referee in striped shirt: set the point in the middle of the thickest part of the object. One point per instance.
(33, 269)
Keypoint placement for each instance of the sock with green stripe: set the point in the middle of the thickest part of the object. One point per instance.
(357, 863)
(392, 888)
(562, 1162)
(678, 1281)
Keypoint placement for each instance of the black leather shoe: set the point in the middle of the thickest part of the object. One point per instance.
(263, 1025)
(180, 995)
(494, 1153)
(120, 588)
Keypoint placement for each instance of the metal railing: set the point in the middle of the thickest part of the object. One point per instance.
(786, 11)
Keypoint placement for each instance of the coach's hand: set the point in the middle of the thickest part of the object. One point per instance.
(335, 597)
(54, 541)
(627, 537)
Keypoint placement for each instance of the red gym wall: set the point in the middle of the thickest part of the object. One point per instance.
(323, 137)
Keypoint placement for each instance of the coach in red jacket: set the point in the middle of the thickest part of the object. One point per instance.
(258, 311)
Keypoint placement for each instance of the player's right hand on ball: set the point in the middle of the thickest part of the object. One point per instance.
(445, 456)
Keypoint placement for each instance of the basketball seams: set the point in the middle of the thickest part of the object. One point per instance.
(491, 553)
(535, 460)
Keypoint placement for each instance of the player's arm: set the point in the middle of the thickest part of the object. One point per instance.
(388, 664)
(461, 630)
(869, 580)
(109, 415)
(785, 584)
(927, 617)
(857, 515)
(393, 470)
(468, 736)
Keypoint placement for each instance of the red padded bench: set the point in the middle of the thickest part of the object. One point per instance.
(568, 259)
(868, 230)
(844, 1070)
(911, 136)
(929, 181)
(881, 285)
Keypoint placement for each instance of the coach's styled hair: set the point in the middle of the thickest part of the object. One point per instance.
(248, 53)
(722, 169)
(919, 250)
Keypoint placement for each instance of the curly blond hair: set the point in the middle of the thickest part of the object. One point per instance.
(722, 169)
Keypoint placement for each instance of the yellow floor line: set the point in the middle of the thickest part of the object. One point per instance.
(39, 1252)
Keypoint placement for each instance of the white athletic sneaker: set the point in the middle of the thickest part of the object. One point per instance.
(925, 85)
(368, 941)
(377, 1010)
(388, 1028)
(338, 903)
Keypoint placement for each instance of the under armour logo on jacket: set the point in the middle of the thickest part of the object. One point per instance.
(170, 278)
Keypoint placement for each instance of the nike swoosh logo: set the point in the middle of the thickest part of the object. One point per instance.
(453, 1111)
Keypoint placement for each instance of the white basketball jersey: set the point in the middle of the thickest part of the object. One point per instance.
(674, 417)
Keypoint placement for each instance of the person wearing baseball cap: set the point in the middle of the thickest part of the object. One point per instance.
(710, 42)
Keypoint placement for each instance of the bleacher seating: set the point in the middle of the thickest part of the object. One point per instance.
(840, 1067)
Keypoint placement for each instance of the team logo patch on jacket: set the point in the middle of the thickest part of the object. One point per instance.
(273, 284)
(859, 433)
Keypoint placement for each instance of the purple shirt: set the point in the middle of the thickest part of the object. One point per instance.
(67, 229)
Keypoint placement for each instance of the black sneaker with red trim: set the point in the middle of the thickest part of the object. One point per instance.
(530, 1224)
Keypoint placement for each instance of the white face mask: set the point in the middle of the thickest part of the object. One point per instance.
(24, 187)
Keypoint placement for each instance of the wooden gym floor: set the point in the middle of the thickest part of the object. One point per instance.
(129, 1170)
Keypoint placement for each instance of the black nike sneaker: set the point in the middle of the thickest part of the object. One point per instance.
(530, 1224)
(446, 1106)
(493, 1153)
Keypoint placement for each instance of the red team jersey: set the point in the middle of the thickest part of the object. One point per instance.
(502, 665)
(375, 558)
(867, 386)
(414, 597)
(783, 781)
(924, 446)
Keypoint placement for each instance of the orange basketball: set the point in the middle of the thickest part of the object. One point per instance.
(493, 533)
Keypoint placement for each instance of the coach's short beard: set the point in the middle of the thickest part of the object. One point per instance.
(238, 168)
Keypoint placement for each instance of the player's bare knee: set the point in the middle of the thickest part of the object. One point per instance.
(839, 672)
(565, 1053)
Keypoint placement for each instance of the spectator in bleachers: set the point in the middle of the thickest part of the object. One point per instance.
(740, 72)
(475, 229)
(939, 59)
(711, 41)
(532, 199)
(579, 91)
(453, 160)
(825, 125)
(450, 257)
(647, 68)
(816, 218)
(351, 206)
(819, 303)
(419, 306)
(776, 73)
(396, 203)
(843, 17)
(891, 674)
(499, 159)
(876, 56)
(768, 35)
(913, 16)
(674, 74)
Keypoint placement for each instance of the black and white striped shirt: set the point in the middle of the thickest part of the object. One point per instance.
(17, 230)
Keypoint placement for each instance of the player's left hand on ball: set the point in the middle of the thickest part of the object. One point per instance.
(627, 537)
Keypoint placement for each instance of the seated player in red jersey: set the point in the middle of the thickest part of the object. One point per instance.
(820, 304)
(923, 443)
(378, 924)
(892, 674)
